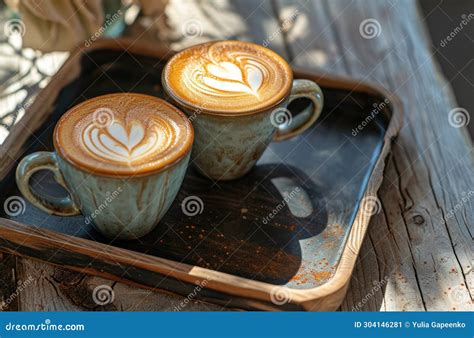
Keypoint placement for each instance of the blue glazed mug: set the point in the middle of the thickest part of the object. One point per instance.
(237, 96)
(113, 170)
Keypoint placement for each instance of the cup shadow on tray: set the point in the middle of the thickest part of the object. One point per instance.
(250, 227)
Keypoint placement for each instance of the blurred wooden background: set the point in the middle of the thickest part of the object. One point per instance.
(456, 59)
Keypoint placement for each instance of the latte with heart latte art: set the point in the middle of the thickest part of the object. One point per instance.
(122, 134)
(227, 77)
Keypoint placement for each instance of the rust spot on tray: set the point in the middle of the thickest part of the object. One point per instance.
(322, 275)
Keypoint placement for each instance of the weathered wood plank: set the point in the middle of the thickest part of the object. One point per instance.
(58, 289)
(44, 294)
(422, 239)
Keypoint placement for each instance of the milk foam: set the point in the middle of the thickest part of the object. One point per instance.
(228, 76)
(123, 134)
(117, 143)
(242, 76)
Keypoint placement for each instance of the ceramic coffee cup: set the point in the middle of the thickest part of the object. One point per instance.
(121, 157)
(236, 94)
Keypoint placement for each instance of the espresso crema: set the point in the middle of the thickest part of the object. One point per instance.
(228, 77)
(123, 134)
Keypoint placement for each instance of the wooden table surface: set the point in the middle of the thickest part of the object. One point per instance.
(418, 253)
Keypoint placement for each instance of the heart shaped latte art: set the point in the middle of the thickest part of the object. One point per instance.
(239, 74)
(126, 144)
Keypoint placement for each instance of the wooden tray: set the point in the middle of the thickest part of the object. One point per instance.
(301, 257)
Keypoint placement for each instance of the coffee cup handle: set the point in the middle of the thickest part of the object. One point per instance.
(289, 126)
(44, 160)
